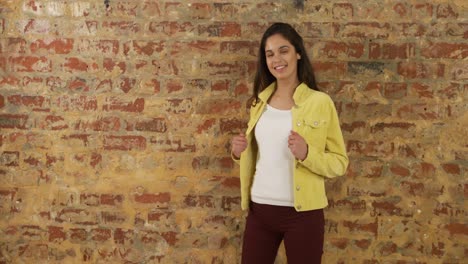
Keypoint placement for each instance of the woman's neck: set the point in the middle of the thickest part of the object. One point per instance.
(286, 87)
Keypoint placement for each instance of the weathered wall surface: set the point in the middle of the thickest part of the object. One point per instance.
(115, 127)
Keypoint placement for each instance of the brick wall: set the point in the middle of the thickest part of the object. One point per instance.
(115, 126)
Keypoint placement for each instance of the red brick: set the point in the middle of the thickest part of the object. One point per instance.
(32, 82)
(37, 103)
(78, 235)
(89, 199)
(370, 148)
(153, 198)
(445, 51)
(418, 111)
(413, 188)
(340, 243)
(32, 232)
(222, 85)
(174, 86)
(196, 47)
(391, 51)
(147, 48)
(451, 168)
(200, 11)
(53, 122)
(159, 216)
(173, 145)
(234, 125)
(77, 103)
(333, 50)
(35, 26)
(109, 65)
(76, 64)
(126, 84)
(229, 203)
(411, 29)
(13, 121)
(350, 128)
(240, 47)
(78, 84)
(228, 182)
(457, 229)
(98, 47)
(220, 29)
(56, 234)
(171, 28)
(202, 201)
(104, 85)
(151, 9)
(395, 90)
(421, 70)
(30, 64)
(402, 10)
(76, 216)
(400, 170)
(110, 123)
(241, 89)
(422, 90)
(13, 45)
(206, 125)
(179, 106)
(56, 46)
(373, 30)
(151, 125)
(459, 71)
(101, 234)
(343, 11)
(9, 158)
(124, 8)
(124, 143)
(224, 68)
(113, 217)
(124, 237)
(422, 10)
(329, 68)
(446, 11)
(9, 81)
(218, 106)
(121, 27)
(124, 105)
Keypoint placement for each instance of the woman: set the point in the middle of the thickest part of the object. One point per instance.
(292, 143)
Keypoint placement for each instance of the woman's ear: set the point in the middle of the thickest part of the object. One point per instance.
(298, 56)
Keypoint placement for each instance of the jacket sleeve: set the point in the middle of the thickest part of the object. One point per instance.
(333, 161)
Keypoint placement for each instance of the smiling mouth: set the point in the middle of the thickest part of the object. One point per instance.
(280, 67)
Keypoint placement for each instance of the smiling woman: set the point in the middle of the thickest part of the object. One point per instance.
(282, 173)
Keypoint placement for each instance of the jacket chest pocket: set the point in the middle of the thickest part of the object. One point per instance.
(314, 131)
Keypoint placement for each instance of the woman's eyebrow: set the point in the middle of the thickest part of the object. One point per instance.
(285, 46)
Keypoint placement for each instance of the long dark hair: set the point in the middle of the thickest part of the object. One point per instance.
(263, 76)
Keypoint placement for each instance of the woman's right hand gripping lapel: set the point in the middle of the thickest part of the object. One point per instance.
(238, 144)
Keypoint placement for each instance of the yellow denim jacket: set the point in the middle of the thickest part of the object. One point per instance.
(315, 118)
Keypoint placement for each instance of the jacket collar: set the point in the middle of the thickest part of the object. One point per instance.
(300, 94)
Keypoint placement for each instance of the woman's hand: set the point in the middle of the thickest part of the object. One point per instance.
(298, 146)
(238, 144)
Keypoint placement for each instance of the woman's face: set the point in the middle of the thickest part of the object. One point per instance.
(281, 58)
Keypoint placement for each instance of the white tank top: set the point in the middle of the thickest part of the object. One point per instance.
(273, 179)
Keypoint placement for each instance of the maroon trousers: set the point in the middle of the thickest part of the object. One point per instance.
(268, 225)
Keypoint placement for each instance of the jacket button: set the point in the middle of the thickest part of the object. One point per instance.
(298, 124)
(298, 188)
(315, 123)
(299, 207)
